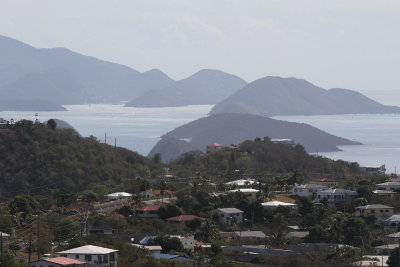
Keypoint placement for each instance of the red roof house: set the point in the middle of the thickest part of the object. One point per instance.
(147, 211)
(59, 261)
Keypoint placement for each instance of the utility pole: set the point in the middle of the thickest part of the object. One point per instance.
(38, 239)
(29, 250)
(1, 244)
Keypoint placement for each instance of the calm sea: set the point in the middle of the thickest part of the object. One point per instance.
(139, 129)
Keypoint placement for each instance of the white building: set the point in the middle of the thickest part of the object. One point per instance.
(377, 169)
(186, 240)
(230, 216)
(335, 195)
(249, 192)
(119, 196)
(272, 205)
(388, 186)
(283, 141)
(241, 182)
(392, 223)
(308, 190)
(384, 193)
(95, 256)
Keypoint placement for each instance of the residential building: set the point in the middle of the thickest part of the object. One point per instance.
(297, 236)
(229, 216)
(392, 223)
(5, 239)
(285, 141)
(273, 205)
(241, 182)
(377, 169)
(213, 147)
(331, 183)
(183, 219)
(119, 196)
(249, 192)
(59, 262)
(186, 240)
(385, 249)
(147, 211)
(388, 186)
(249, 237)
(384, 193)
(308, 190)
(395, 237)
(157, 193)
(376, 210)
(94, 256)
(153, 249)
(335, 195)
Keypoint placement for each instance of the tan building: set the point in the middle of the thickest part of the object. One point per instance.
(377, 210)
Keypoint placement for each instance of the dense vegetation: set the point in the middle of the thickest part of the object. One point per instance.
(262, 158)
(35, 156)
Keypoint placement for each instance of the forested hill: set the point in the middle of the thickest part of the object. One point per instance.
(260, 158)
(36, 156)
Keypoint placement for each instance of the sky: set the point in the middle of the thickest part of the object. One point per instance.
(351, 44)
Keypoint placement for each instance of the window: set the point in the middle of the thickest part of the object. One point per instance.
(295, 190)
(88, 257)
(112, 257)
(372, 211)
(237, 214)
(77, 256)
(222, 215)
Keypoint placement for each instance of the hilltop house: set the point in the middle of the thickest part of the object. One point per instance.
(392, 223)
(388, 186)
(5, 239)
(58, 262)
(213, 147)
(249, 237)
(378, 169)
(377, 210)
(335, 195)
(308, 190)
(157, 193)
(229, 216)
(95, 256)
(384, 193)
(249, 192)
(119, 196)
(241, 182)
(147, 211)
(285, 141)
(331, 183)
(273, 205)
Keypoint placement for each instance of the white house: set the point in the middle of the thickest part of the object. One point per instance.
(284, 141)
(241, 182)
(335, 195)
(157, 193)
(249, 192)
(272, 205)
(308, 190)
(93, 255)
(186, 240)
(392, 223)
(229, 216)
(5, 238)
(119, 196)
(384, 193)
(213, 147)
(388, 186)
(377, 169)
(58, 262)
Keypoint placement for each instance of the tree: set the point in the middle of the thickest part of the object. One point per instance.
(393, 260)
(157, 158)
(167, 243)
(208, 231)
(52, 124)
(169, 210)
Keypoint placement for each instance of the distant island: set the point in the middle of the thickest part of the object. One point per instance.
(29, 105)
(273, 96)
(204, 87)
(233, 128)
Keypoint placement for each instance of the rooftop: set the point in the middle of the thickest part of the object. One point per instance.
(393, 218)
(230, 210)
(119, 194)
(338, 191)
(89, 249)
(244, 190)
(389, 184)
(277, 203)
(249, 233)
(214, 144)
(305, 186)
(382, 192)
(297, 234)
(241, 182)
(374, 206)
(158, 192)
(64, 261)
(323, 180)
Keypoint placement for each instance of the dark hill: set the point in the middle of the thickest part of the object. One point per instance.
(35, 157)
(232, 128)
(66, 77)
(204, 87)
(273, 96)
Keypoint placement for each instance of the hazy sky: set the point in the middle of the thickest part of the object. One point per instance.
(332, 43)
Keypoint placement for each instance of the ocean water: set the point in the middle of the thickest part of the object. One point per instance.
(137, 129)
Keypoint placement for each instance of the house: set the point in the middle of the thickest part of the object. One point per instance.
(58, 262)
(229, 216)
(249, 237)
(119, 196)
(371, 261)
(249, 192)
(308, 190)
(286, 141)
(147, 211)
(378, 169)
(153, 249)
(392, 223)
(182, 261)
(388, 186)
(181, 220)
(395, 237)
(376, 210)
(331, 183)
(384, 193)
(106, 231)
(335, 195)
(241, 182)
(297, 237)
(157, 193)
(273, 205)
(5, 239)
(213, 147)
(93, 255)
